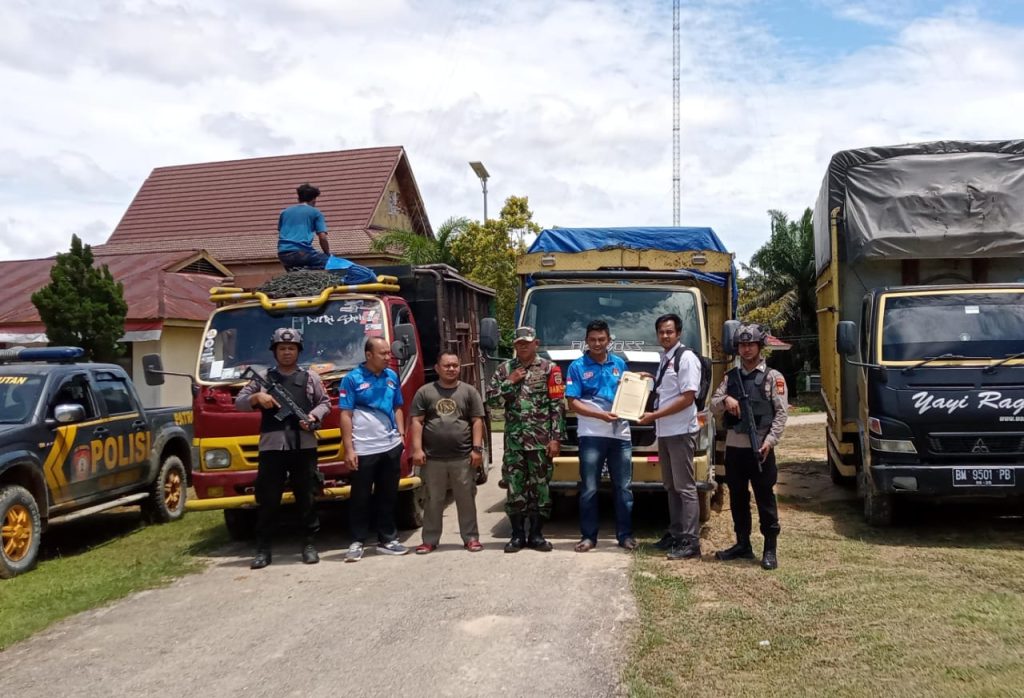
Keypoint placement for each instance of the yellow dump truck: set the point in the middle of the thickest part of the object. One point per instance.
(628, 277)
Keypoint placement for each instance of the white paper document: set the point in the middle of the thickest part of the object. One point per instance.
(631, 397)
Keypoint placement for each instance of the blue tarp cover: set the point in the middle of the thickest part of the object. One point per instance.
(667, 239)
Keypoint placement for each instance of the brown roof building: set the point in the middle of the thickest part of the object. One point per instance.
(231, 208)
(168, 298)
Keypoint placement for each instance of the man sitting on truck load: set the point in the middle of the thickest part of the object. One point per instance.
(765, 391)
(296, 227)
(604, 438)
(287, 448)
(372, 431)
(530, 390)
(676, 427)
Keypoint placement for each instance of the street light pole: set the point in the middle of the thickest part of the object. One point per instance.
(481, 172)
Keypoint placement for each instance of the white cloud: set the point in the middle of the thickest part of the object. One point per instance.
(568, 103)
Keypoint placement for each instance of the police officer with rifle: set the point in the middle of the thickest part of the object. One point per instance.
(752, 398)
(293, 402)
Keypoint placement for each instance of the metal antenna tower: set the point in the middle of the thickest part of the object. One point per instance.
(675, 113)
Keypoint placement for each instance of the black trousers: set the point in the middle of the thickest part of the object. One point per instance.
(374, 495)
(742, 474)
(275, 469)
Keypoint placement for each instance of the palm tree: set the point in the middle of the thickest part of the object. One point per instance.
(780, 281)
(413, 248)
(779, 291)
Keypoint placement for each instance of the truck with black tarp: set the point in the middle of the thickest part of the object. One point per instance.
(629, 277)
(918, 253)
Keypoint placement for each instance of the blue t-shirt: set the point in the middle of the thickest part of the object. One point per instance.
(596, 384)
(296, 227)
(373, 399)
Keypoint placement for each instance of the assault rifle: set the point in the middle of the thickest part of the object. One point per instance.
(288, 408)
(747, 415)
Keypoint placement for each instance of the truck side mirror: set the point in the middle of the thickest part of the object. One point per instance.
(489, 335)
(846, 338)
(405, 338)
(153, 368)
(729, 328)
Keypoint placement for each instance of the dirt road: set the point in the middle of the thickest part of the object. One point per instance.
(451, 623)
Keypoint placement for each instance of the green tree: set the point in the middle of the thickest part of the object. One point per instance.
(414, 248)
(488, 254)
(83, 305)
(779, 290)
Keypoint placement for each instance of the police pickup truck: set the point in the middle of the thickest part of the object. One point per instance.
(74, 441)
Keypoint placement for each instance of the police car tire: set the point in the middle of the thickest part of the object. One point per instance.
(10, 496)
(409, 512)
(241, 523)
(155, 508)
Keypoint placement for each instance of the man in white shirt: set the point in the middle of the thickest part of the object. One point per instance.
(675, 418)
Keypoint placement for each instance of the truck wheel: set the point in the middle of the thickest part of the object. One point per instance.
(844, 481)
(20, 529)
(241, 523)
(409, 512)
(704, 500)
(168, 492)
(878, 508)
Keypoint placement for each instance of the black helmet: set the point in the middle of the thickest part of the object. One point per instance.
(286, 335)
(750, 333)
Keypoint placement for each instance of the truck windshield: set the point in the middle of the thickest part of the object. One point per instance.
(560, 315)
(18, 397)
(333, 337)
(983, 325)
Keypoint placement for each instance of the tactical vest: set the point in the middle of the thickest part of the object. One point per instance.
(294, 385)
(761, 406)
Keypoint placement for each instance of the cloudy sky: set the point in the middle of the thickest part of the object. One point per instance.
(568, 102)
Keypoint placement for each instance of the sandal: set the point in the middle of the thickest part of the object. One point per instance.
(425, 548)
(584, 545)
(474, 546)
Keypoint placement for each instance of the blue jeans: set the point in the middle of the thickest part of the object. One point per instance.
(302, 259)
(617, 455)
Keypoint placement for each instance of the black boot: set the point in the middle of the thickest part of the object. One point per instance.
(537, 541)
(262, 558)
(685, 548)
(769, 561)
(309, 554)
(518, 540)
(740, 551)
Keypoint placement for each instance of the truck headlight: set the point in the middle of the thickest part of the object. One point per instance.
(893, 445)
(217, 458)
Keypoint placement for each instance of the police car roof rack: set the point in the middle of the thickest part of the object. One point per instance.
(62, 355)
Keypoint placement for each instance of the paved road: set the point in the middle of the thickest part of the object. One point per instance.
(452, 623)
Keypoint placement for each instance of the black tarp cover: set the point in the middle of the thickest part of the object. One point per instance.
(943, 199)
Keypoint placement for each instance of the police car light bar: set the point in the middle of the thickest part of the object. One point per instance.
(41, 354)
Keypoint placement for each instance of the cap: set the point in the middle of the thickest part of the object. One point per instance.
(286, 335)
(751, 333)
(524, 334)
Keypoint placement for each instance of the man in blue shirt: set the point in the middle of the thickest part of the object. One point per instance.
(372, 431)
(296, 227)
(604, 438)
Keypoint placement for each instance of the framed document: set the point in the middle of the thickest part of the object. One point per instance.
(631, 397)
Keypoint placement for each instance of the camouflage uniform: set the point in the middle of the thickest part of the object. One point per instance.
(534, 415)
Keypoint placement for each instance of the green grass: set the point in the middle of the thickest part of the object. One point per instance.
(142, 558)
(935, 607)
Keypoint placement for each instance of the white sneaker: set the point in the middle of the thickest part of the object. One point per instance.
(392, 548)
(355, 553)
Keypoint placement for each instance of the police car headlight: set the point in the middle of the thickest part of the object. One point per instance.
(893, 445)
(217, 458)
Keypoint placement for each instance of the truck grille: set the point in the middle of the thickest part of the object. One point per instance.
(976, 444)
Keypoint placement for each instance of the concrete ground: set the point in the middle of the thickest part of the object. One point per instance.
(451, 623)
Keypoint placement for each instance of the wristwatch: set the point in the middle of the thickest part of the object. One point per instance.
(478, 449)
